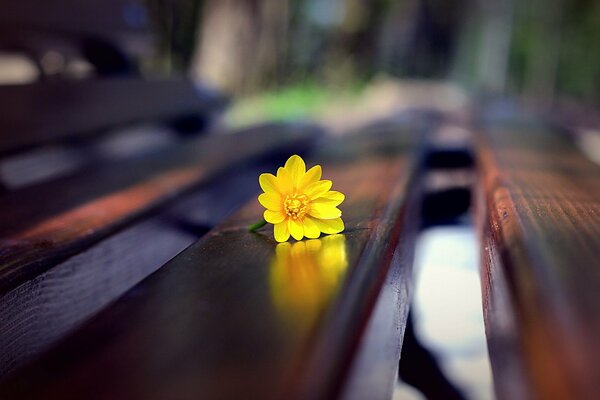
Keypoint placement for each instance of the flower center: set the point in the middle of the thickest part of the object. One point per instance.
(296, 205)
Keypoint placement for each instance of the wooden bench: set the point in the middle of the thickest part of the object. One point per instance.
(237, 315)
(127, 271)
(120, 275)
(106, 178)
(46, 223)
(539, 218)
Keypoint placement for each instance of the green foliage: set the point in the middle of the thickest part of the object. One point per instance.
(579, 64)
(575, 34)
(292, 103)
(175, 24)
(552, 46)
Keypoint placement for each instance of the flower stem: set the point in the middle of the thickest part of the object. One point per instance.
(257, 225)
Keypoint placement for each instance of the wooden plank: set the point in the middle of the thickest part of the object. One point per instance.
(539, 217)
(33, 316)
(78, 210)
(51, 111)
(238, 316)
(50, 162)
(374, 372)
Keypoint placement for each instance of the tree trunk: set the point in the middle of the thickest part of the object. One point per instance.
(241, 43)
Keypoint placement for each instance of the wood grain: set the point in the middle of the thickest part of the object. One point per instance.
(236, 316)
(374, 371)
(40, 312)
(51, 111)
(540, 225)
(46, 223)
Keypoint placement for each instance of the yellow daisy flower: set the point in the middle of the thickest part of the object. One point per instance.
(299, 203)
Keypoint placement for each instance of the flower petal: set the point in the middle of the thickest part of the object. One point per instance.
(296, 167)
(311, 230)
(331, 198)
(317, 189)
(268, 183)
(324, 211)
(296, 229)
(281, 232)
(273, 217)
(284, 181)
(270, 201)
(311, 176)
(330, 226)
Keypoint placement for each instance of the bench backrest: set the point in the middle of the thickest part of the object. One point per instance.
(48, 112)
(60, 107)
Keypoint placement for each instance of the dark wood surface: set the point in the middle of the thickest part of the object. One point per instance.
(539, 214)
(238, 316)
(374, 371)
(52, 111)
(33, 316)
(45, 223)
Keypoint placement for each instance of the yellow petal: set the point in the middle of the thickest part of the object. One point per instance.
(296, 229)
(284, 181)
(273, 217)
(330, 226)
(270, 201)
(296, 168)
(324, 211)
(281, 232)
(331, 198)
(311, 176)
(311, 230)
(317, 189)
(268, 183)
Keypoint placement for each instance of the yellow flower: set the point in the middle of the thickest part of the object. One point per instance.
(299, 203)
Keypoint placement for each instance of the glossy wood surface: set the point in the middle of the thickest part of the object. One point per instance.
(45, 223)
(50, 111)
(238, 316)
(34, 316)
(539, 216)
(374, 371)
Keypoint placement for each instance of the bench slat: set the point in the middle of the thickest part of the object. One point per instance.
(81, 209)
(52, 111)
(33, 316)
(540, 223)
(238, 316)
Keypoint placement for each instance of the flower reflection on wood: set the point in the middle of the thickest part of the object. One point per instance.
(305, 275)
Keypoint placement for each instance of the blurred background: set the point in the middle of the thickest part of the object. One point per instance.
(292, 56)
(537, 48)
(289, 58)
